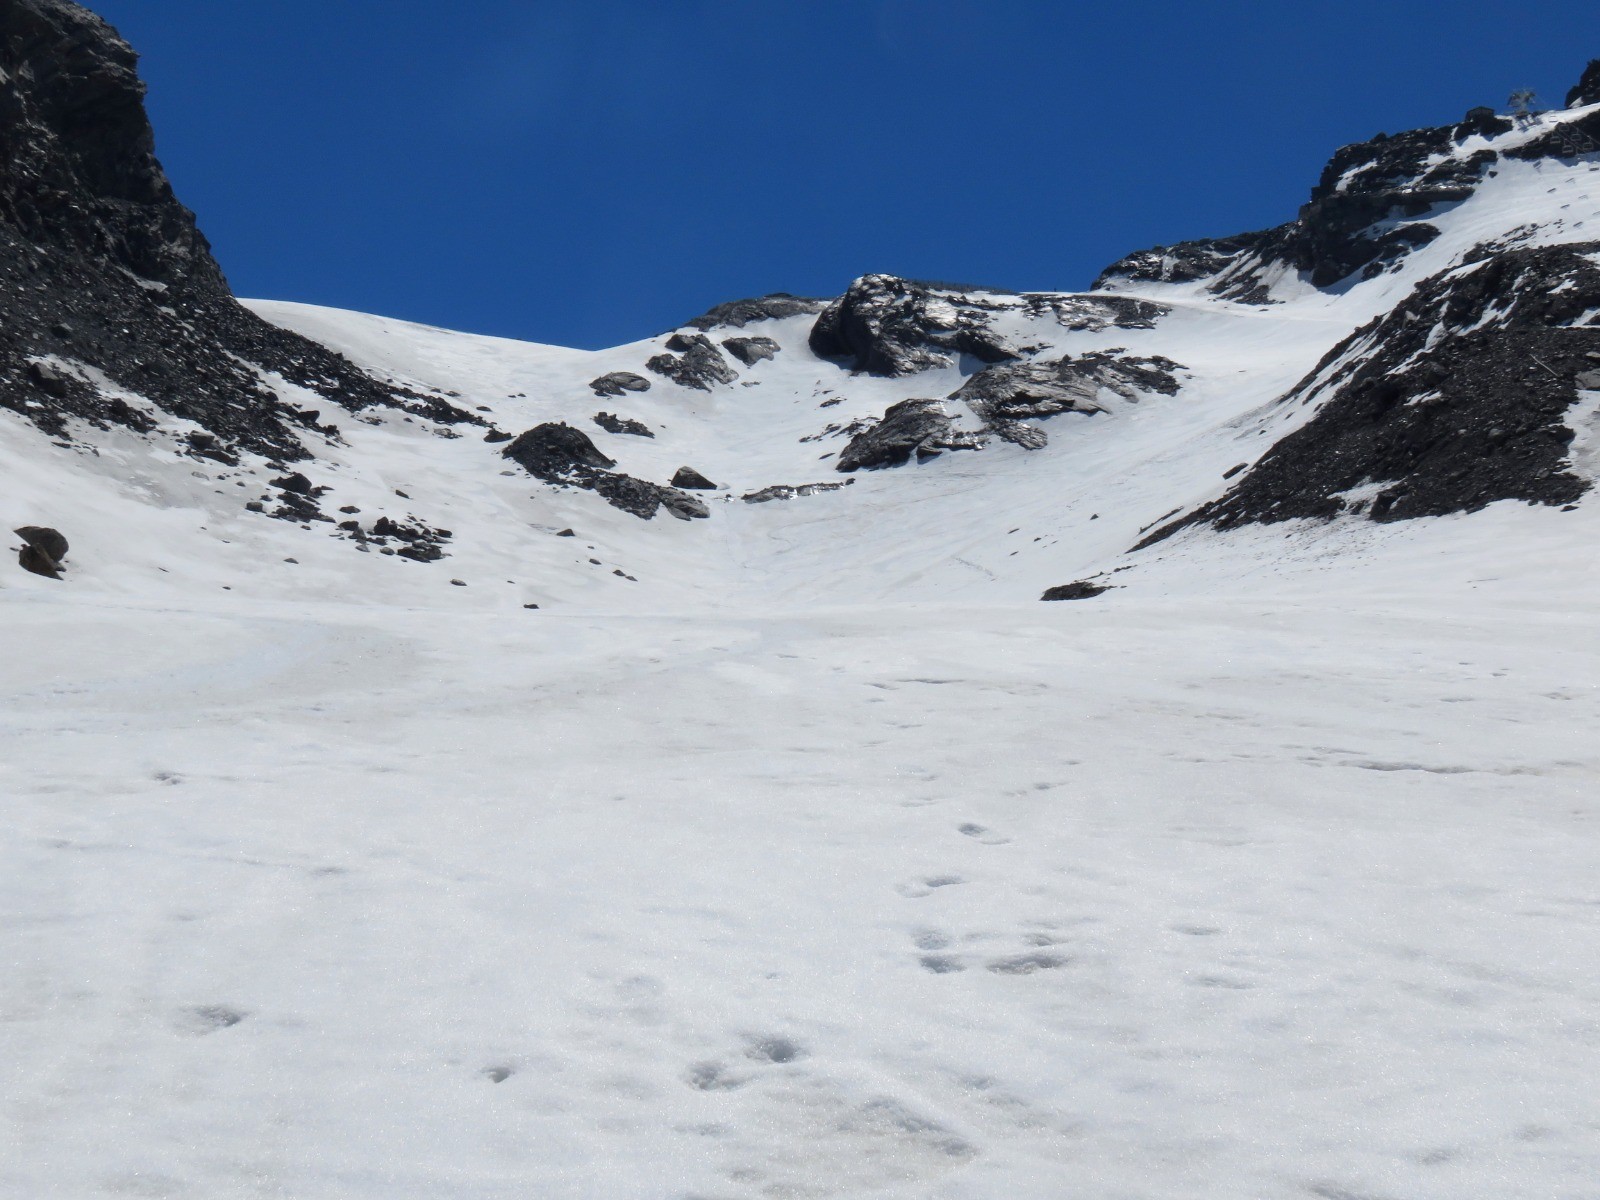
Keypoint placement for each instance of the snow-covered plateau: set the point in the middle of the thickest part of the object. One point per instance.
(401, 801)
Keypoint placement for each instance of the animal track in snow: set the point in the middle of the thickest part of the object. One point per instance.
(210, 1018)
(919, 888)
(1027, 964)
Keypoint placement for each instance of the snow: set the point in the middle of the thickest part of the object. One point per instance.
(823, 860)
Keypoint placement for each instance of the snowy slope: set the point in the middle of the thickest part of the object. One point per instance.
(799, 851)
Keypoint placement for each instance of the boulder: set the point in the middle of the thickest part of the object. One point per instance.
(555, 450)
(1082, 590)
(48, 380)
(751, 350)
(695, 364)
(43, 550)
(612, 423)
(920, 427)
(885, 325)
(688, 477)
(618, 383)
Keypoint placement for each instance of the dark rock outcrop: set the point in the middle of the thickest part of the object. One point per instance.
(691, 480)
(919, 427)
(751, 350)
(1005, 395)
(784, 491)
(1365, 213)
(739, 313)
(1588, 89)
(1082, 590)
(43, 550)
(695, 363)
(101, 266)
(1454, 400)
(1483, 122)
(612, 423)
(563, 456)
(619, 383)
(890, 326)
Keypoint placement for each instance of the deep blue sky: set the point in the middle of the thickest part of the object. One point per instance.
(595, 171)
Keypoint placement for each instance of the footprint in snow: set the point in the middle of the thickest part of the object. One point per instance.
(918, 888)
(981, 833)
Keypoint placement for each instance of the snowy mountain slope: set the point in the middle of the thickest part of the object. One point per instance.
(798, 851)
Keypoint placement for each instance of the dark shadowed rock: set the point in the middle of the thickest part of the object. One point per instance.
(784, 491)
(692, 480)
(1009, 393)
(1454, 400)
(496, 436)
(1365, 214)
(1588, 89)
(751, 350)
(885, 325)
(1484, 122)
(695, 364)
(563, 456)
(739, 313)
(1082, 590)
(43, 550)
(612, 423)
(555, 450)
(101, 265)
(919, 427)
(619, 383)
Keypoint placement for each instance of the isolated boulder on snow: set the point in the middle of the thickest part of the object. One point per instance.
(612, 423)
(555, 450)
(1082, 590)
(688, 477)
(43, 550)
(751, 350)
(618, 383)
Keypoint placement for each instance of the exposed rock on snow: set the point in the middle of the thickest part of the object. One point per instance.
(612, 423)
(783, 491)
(892, 326)
(1456, 399)
(1082, 590)
(1001, 396)
(101, 266)
(920, 427)
(751, 350)
(692, 480)
(696, 363)
(43, 550)
(739, 313)
(561, 455)
(619, 383)
(1587, 90)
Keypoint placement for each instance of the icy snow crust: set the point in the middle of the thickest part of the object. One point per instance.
(818, 859)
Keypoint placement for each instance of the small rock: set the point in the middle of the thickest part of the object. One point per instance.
(458, 583)
(751, 350)
(496, 435)
(350, 508)
(296, 484)
(566, 533)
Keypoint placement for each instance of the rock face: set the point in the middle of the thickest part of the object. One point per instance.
(739, 313)
(694, 363)
(1454, 400)
(891, 326)
(561, 455)
(619, 383)
(920, 427)
(1588, 89)
(1004, 396)
(612, 423)
(1364, 214)
(751, 350)
(43, 550)
(101, 267)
